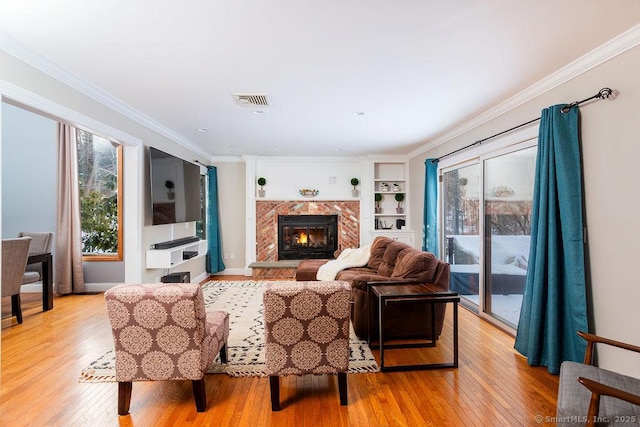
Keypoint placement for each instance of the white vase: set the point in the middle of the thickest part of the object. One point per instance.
(261, 193)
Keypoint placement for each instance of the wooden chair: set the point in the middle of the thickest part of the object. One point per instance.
(596, 396)
(162, 332)
(14, 260)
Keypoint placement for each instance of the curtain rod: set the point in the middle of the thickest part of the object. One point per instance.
(604, 93)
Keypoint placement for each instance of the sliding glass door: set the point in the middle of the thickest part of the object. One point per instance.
(461, 218)
(508, 196)
(486, 222)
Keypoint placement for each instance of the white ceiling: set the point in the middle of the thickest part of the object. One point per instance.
(416, 68)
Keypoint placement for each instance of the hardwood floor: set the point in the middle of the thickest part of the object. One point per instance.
(42, 359)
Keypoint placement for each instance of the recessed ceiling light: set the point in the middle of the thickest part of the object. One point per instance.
(202, 130)
(258, 111)
(339, 149)
(358, 113)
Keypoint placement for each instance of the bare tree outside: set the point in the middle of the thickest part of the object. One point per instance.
(98, 180)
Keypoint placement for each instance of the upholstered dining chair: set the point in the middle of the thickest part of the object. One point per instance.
(307, 332)
(14, 260)
(163, 332)
(41, 242)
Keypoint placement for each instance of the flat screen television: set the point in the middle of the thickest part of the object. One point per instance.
(175, 189)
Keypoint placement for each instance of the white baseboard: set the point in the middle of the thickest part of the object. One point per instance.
(232, 272)
(36, 287)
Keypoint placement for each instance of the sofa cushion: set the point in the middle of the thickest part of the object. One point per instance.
(414, 264)
(378, 247)
(390, 257)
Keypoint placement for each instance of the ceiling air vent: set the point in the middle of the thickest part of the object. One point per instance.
(251, 99)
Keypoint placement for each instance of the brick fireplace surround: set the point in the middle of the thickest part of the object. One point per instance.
(267, 225)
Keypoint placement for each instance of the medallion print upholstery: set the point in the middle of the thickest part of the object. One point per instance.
(163, 331)
(307, 327)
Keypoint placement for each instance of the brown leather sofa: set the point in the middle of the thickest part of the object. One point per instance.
(390, 261)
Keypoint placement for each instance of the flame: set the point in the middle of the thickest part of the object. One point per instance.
(303, 238)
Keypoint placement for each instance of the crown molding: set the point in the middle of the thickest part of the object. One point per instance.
(11, 93)
(616, 46)
(45, 65)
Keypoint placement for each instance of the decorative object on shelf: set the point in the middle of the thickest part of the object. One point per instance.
(378, 198)
(395, 187)
(382, 225)
(399, 198)
(306, 192)
(355, 182)
(170, 193)
(384, 186)
(261, 182)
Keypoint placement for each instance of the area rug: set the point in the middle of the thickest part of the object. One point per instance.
(245, 346)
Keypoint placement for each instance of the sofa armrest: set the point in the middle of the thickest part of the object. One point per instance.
(443, 275)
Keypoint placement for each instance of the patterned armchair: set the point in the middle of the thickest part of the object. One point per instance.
(162, 332)
(307, 332)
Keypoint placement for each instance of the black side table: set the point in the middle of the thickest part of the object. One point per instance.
(411, 294)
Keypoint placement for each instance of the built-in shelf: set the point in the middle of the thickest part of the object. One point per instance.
(390, 179)
(172, 257)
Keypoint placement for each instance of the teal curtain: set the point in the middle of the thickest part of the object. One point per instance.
(430, 222)
(554, 305)
(214, 244)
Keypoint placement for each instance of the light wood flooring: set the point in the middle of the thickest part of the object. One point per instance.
(42, 359)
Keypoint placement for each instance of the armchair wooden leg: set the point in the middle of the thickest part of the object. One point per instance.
(124, 397)
(274, 383)
(16, 309)
(200, 395)
(223, 354)
(342, 387)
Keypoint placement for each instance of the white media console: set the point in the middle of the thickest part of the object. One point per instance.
(172, 257)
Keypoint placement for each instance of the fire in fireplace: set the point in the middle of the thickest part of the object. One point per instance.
(307, 236)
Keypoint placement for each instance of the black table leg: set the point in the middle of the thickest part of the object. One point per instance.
(47, 283)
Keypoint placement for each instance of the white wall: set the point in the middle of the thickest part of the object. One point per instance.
(29, 172)
(287, 175)
(611, 149)
(232, 202)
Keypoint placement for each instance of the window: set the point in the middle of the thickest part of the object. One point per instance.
(486, 220)
(100, 182)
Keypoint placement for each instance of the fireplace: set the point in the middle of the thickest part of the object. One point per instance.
(307, 236)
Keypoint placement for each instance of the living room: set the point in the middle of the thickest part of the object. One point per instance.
(609, 135)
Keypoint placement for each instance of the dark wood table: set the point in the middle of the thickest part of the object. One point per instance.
(47, 277)
(413, 294)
